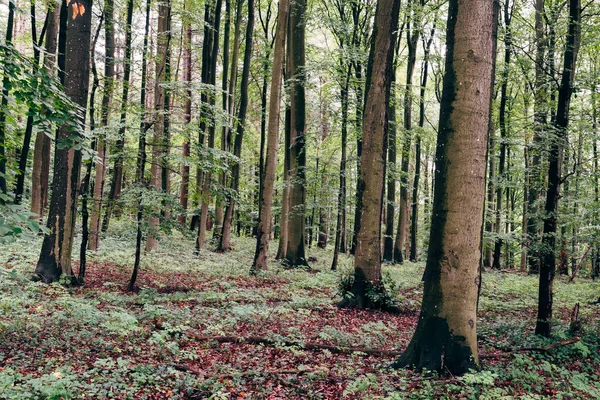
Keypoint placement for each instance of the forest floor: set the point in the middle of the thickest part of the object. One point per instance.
(201, 327)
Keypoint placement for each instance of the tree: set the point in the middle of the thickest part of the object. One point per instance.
(109, 72)
(4, 104)
(41, 155)
(55, 256)
(548, 265)
(445, 337)
(295, 254)
(225, 236)
(367, 260)
(264, 222)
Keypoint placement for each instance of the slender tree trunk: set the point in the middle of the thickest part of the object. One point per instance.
(109, 72)
(55, 256)
(264, 224)
(161, 108)
(285, 195)
(548, 266)
(225, 236)
(85, 185)
(540, 116)
(446, 337)
(388, 238)
(219, 206)
(341, 206)
(415, 196)
(41, 153)
(367, 262)
(206, 187)
(117, 172)
(359, 146)
(24, 153)
(4, 103)
(412, 36)
(141, 156)
(187, 118)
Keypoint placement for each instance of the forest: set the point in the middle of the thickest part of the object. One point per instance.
(300, 199)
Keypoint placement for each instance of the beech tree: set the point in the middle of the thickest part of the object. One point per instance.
(55, 255)
(367, 260)
(446, 335)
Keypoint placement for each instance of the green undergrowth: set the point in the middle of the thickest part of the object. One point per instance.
(99, 341)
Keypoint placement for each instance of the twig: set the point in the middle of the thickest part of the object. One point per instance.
(546, 349)
(304, 345)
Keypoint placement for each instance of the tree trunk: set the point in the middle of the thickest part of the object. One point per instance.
(206, 187)
(388, 238)
(540, 116)
(85, 185)
(412, 36)
(295, 254)
(413, 257)
(4, 103)
(446, 337)
(163, 37)
(225, 236)
(109, 72)
(55, 256)
(41, 153)
(187, 118)
(548, 266)
(367, 261)
(359, 146)
(264, 223)
(141, 156)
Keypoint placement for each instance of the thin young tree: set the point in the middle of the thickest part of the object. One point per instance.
(264, 223)
(548, 265)
(446, 335)
(107, 95)
(225, 236)
(41, 154)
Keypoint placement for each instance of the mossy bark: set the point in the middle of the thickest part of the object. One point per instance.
(446, 335)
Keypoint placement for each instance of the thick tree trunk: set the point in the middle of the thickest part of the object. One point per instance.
(225, 236)
(295, 254)
(548, 266)
(446, 336)
(367, 262)
(264, 223)
(55, 256)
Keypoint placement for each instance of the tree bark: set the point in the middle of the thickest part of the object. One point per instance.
(187, 118)
(367, 261)
(225, 236)
(109, 72)
(264, 223)
(295, 254)
(548, 266)
(4, 105)
(41, 153)
(55, 256)
(445, 337)
(161, 107)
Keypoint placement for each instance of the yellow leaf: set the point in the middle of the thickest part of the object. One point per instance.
(81, 9)
(75, 11)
